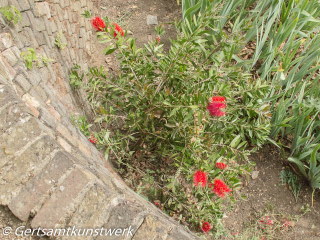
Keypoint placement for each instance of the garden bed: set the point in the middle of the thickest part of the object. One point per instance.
(270, 211)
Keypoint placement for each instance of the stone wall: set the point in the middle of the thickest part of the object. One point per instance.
(51, 175)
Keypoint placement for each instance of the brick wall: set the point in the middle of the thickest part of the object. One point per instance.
(46, 90)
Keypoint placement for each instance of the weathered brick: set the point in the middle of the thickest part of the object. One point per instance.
(3, 3)
(152, 228)
(23, 82)
(6, 70)
(61, 2)
(45, 74)
(80, 54)
(38, 187)
(72, 55)
(24, 167)
(24, 5)
(60, 202)
(36, 24)
(123, 216)
(49, 41)
(66, 134)
(40, 38)
(18, 90)
(53, 26)
(30, 100)
(65, 3)
(63, 143)
(89, 211)
(41, 93)
(75, 17)
(88, 48)
(76, 6)
(10, 57)
(15, 3)
(83, 148)
(59, 12)
(68, 28)
(83, 33)
(179, 234)
(24, 22)
(42, 9)
(54, 113)
(65, 54)
(14, 139)
(6, 93)
(83, 3)
(88, 23)
(27, 38)
(82, 22)
(90, 5)
(15, 113)
(52, 74)
(52, 40)
(34, 76)
(16, 51)
(82, 43)
(47, 24)
(65, 14)
(5, 41)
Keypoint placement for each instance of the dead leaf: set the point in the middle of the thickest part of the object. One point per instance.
(291, 224)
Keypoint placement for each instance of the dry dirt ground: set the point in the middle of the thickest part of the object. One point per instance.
(268, 197)
(131, 15)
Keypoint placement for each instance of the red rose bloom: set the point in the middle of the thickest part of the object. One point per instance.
(220, 188)
(117, 30)
(215, 105)
(206, 227)
(221, 165)
(200, 177)
(98, 24)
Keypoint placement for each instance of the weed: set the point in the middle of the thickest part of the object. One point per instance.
(305, 208)
(58, 41)
(11, 13)
(82, 124)
(86, 14)
(292, 180)
(45, 60)
(76, 79)
(31, 57)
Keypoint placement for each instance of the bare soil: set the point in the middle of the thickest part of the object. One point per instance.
(268, 197)
(131, 15)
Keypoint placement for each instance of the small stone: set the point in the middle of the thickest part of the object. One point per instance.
(152, 20)
(108, 60)
(5, 41)
(42, 9)
(10, 57)
(255, 174)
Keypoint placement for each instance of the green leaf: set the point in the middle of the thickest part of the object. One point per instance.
(110, 51)
(300, 165)
(194, 106)
(313, 159)
(235, 141)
